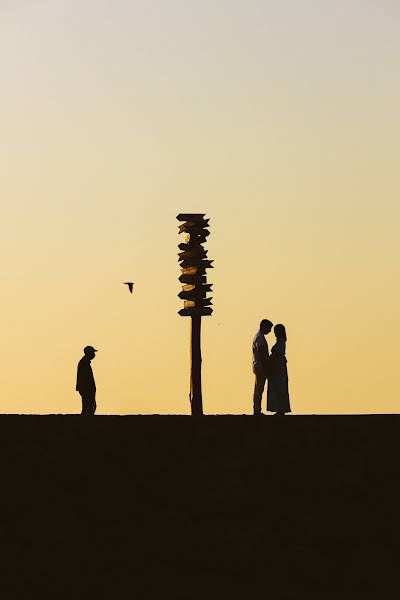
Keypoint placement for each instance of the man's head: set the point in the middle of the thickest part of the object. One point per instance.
(90, 352)
(265, 326)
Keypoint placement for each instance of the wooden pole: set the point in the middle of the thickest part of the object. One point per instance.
(196, 393)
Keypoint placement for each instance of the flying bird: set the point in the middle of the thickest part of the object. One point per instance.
(130, 285)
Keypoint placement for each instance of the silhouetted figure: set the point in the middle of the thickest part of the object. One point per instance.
(85, 383)
(278, 386)
(260, 363)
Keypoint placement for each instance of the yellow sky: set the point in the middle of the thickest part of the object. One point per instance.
(281, 123)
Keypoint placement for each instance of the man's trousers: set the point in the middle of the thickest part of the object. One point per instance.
(261, 376)
(88, 403)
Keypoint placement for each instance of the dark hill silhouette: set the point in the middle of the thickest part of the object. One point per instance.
(212, 507)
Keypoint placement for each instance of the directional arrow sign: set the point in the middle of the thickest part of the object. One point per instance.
(197, 262)
(198, 253)
(192, 246)
(191, 217)
(195, 312)
(194, 295)
(204, 288)
(198, 303)
(207, 287)
(192, 279)
(204, 302)
(187, 295)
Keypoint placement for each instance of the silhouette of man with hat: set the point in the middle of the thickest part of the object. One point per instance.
(85, 383)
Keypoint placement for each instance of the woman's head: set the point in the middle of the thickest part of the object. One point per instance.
(280, 331)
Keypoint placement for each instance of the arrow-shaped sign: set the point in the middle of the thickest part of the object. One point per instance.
(199, 303)
(195, 295)
(195, 312)
(191, 217)
(197, 262)
(191, 247)
(190, 295)
(188, 288)
(198, 253)
(192, 279)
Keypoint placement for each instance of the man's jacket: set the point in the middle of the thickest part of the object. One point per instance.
(85, 380)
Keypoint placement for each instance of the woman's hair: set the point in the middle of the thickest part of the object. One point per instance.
(280, 331)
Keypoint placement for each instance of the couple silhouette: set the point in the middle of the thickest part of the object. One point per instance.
(271, 367)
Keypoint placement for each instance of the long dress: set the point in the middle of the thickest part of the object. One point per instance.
(278, 387)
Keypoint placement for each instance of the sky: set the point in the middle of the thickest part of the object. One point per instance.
(279, 120)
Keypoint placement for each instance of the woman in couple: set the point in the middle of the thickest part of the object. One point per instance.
(278, 389)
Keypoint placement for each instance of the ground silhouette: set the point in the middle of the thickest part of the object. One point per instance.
(208, 507)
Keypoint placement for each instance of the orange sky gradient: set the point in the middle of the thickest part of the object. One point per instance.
(280, 121)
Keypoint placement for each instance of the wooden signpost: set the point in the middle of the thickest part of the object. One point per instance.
(194, 262)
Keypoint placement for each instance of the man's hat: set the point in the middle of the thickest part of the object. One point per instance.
(88, 349)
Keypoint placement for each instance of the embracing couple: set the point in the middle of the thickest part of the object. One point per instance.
(272, 367)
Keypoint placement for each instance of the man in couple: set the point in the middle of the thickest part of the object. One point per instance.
(272, 367)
